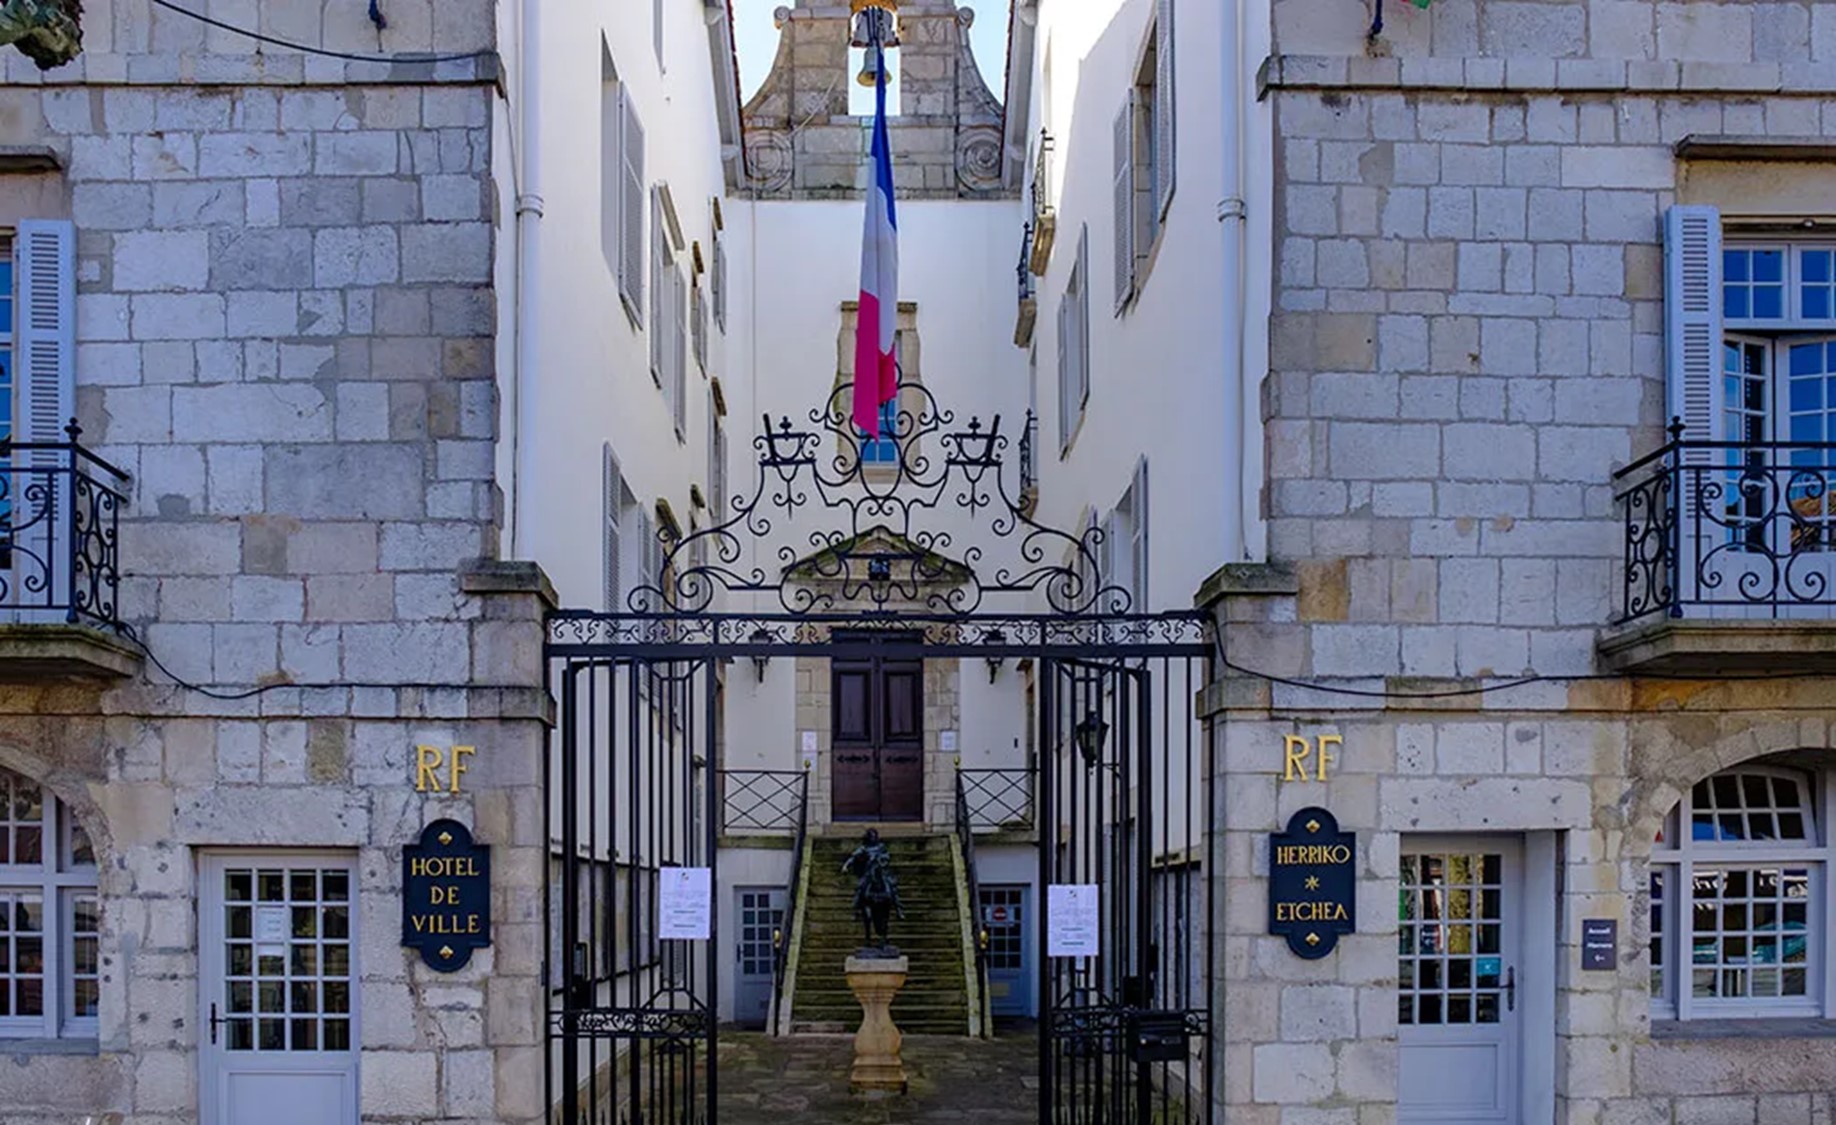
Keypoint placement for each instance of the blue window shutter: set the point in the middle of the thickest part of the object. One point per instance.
(45, 348)
(1692, 318)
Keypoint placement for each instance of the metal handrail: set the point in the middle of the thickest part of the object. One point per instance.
(781, 938)
(60, 515)
(1743, 524)
(1042, 175)
(761, 801)
(996, 799)
(965, 837)
(1029, 453)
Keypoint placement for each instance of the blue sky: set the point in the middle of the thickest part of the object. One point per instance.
(758, 40)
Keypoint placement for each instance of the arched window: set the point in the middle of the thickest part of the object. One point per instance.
(50, 921)
(1739, 898)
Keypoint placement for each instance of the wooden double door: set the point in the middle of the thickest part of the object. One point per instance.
(878, 727)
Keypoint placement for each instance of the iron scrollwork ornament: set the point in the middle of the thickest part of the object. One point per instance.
(881, 554)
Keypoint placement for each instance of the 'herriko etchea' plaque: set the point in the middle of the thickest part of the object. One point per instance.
(446, 896)
(1313, 883)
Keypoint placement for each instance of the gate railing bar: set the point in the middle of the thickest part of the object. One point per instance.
(965, 837)
(998, 799)
(781, 937)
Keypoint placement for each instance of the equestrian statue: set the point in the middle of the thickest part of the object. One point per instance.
(876, 894)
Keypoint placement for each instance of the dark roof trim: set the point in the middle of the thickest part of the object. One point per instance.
(29, 158)
(1712, 146)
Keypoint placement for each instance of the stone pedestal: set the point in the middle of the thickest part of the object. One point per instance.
(878, 1070)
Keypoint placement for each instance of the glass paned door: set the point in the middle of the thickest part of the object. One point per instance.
(761, 924)
(1456, 946)
(278, 985)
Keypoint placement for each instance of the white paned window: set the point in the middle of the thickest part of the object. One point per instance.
(1143, 156)
(50, 922)
(660, 273)
(1740, 899)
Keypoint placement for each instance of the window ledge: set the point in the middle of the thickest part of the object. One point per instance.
(1685, 645)
(1781, 1027)
(20, 1047)
(1716, 146)
(29, 158)
(30, 652)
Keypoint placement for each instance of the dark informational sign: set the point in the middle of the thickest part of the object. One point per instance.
(1312, 883)
(446, 895)
(1600, 944)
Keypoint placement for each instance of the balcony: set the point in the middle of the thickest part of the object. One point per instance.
(1045, 207)
(1729, 557)
(60, 575)
(1029, 304)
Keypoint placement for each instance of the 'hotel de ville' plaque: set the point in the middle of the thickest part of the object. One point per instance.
(446, 896)
(1312, 883)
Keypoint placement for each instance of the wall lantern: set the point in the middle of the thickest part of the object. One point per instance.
(1091, 732)
(995, 660)
(760, 636)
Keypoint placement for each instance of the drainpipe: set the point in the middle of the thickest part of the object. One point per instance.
(1231, 215)
(528, 264)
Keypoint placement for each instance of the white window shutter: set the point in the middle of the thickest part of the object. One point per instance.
(46, 342)
(1692, 318)
(1080, 326)
(1165, 141)
(1138, 510)
(1064, 372)
(1125, 202)
(631, 208)
(720, 281)
(678, 368)
(1106, 561)
(614, 499)
(659, 287)
(611, 178)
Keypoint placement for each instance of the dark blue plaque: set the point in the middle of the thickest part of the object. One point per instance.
(446, 896)
(1313, 883)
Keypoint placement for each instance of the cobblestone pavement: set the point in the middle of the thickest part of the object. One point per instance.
(804, 1078)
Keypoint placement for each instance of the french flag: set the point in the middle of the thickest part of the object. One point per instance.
(876, 376)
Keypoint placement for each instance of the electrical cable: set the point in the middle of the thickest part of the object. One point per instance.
(1506, 685)
(127, 632)
(262, 37)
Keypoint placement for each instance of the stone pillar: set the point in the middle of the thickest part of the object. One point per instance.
(878, 1070)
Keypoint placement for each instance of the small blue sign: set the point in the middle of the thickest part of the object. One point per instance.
(1489, 966)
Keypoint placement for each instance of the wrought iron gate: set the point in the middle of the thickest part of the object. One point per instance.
(1125, 818)
(631, 1025)
(633, 786)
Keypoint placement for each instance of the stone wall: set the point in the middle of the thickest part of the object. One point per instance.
(286, 329)
(946, 129)
(1596, 765)
(1467, 341)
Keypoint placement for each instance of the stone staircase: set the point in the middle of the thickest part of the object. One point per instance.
(932, 1001)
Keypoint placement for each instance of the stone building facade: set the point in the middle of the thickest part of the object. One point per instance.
(1479, 320)
(281, 326)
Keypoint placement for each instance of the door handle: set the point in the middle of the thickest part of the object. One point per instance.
(1510, 989)
(214, 1021)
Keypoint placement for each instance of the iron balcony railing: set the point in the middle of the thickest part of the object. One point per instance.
(1729, 529)
(1043, 229)
(60, 516)
(995, 800)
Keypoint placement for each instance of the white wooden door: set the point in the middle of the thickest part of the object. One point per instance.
(1460, 907)
(277, 989)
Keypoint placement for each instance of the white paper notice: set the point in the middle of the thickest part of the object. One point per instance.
(946, 741)
(809, 742)
(1072, 929)
(685, 904)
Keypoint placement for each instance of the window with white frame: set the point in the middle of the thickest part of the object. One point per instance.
(1074, 345)
(1740, 901)
(717, 456)
(669, 328)
(621, 188)
(50, 918)
(1750, 327)
(1144, 157)
(717, 276)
